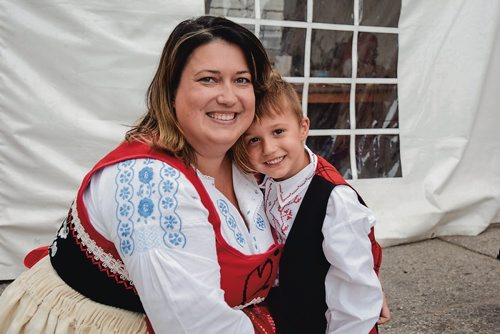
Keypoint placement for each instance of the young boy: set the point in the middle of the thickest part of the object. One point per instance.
(328, 271)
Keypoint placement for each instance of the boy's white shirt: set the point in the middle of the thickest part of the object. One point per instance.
(353, 291)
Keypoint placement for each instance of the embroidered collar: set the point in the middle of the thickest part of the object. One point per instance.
(286, 190)
(246, 190)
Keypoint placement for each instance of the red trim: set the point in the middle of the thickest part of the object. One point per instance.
(330, 173)
(35, 255)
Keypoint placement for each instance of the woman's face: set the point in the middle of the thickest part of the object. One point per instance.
(215, 101)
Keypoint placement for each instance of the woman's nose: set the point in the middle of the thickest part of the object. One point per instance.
(227, 95)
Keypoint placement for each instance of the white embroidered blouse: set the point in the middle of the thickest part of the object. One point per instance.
(353, 292)
(177, 278)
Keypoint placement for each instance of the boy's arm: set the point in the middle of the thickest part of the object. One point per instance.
(353, 292)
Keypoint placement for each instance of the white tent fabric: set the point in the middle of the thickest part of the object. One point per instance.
(73, 75)
(449, 67)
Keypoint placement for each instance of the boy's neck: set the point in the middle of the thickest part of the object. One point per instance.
(306, 160)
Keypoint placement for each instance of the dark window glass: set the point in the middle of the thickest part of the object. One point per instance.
(377, 55)
(376, 106)
(233, 8)
(335, 149)
(331, 52)
(292, 10)
(333, 11)
(328, 106)
(285, 47)
(377, 156)
(381, 13)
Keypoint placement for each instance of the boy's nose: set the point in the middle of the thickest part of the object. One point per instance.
(268, 146)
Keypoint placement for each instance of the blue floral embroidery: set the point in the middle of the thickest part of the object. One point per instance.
(125, 207)
(125, 193)
(168, 186)
(146, 175)
(146, 190)
(170, 222)
(146, 207)
(125, 176)
(177, 239)
(167, 202)
(170, 172)
(260, 224)
(230, 221)
(127, 246)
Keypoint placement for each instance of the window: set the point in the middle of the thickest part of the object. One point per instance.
(341, 56)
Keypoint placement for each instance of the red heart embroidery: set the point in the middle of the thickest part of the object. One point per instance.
(257, 280)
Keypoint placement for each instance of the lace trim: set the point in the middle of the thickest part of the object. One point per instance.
(256, 300)
(107, 260)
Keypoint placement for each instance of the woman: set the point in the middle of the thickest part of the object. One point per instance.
(166, 216)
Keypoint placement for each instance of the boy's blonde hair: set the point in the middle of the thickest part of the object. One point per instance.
(278, 93)
(278, 98)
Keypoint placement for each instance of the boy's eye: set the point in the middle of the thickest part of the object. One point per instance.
(253, 140)
(278, 131)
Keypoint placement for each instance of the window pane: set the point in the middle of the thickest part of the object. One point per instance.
(333, 11)
(335, 149)
(377, 55)
(250, 27)
(328, 106)
(298, 87)
(234, 8)
(378, 156)
(382, 13)
(377, 106)
(293, 10)
(285, 47)
(331, 52)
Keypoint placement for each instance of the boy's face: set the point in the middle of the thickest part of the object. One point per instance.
(275, 145)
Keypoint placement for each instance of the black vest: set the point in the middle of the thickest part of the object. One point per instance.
(303, 267)
(77, 267)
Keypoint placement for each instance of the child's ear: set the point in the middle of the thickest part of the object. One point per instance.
(304, 128)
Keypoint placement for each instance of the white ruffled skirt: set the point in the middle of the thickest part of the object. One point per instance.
(39, 301)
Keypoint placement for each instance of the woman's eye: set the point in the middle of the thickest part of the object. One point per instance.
(208, 80)
(243, 81)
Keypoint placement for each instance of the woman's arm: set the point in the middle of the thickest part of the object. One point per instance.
(353, 292)
(169, 252)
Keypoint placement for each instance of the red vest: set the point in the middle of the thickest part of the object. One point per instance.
(245, 279)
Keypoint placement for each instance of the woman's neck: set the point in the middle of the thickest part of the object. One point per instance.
(221, 170)
(213, 166)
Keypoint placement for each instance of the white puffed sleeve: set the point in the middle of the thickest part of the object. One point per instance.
(353, 291)
(156, 220)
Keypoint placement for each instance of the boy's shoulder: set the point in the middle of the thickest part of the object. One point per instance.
(327, 171)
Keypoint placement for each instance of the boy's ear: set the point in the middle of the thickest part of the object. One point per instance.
(304, 127)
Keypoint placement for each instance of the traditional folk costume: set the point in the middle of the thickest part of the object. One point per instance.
(328, 272)
(144, 224)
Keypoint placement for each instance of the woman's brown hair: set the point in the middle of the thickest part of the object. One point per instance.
(159, 126)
